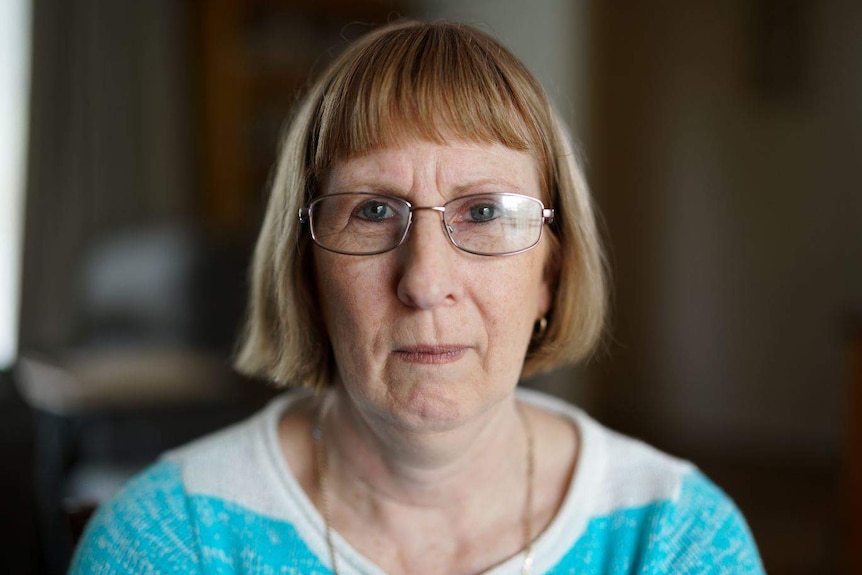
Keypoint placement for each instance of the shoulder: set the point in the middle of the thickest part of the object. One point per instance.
(632, 508)
(614, 470)
(241, 465)
(198, 506)
(144, 529)
(633, 473)
(675, 519)
(701, 531)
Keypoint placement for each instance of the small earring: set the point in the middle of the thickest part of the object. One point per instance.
(540, 327)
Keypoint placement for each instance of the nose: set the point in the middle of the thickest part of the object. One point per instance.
(427, 261)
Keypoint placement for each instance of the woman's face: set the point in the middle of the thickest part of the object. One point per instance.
(427, 336)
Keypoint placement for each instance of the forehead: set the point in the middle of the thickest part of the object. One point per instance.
(453, 168)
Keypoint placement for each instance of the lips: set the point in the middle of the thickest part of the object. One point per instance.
(431, 354)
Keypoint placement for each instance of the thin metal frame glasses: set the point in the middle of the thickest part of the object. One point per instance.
(490, 224)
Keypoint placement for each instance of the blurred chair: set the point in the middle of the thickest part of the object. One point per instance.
(159, 309)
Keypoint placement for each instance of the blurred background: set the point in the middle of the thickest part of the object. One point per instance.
(722, 142)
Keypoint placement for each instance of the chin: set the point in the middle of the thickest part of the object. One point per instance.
(426, 410)
(428, 416)
(426, 399)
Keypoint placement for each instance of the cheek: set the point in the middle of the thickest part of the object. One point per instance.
(349, 300)
(516, 297)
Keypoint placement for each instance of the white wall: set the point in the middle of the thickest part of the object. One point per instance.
(14, 115)
(549, 36)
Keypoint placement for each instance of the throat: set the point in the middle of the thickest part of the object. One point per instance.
(424, 468)
(418, 501)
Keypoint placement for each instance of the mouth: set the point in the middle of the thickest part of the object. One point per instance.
(431, 354)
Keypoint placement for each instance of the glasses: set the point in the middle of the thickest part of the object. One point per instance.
(364, 224)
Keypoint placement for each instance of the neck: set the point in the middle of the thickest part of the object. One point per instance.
(382, 464)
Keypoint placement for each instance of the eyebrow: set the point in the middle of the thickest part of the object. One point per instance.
(368, 187)
(364, 185)
(509, 185)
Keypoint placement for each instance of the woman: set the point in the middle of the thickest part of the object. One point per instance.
(429, 240)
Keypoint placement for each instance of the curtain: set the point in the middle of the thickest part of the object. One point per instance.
(110, 143)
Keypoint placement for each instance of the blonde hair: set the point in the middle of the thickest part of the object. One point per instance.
(438, 82)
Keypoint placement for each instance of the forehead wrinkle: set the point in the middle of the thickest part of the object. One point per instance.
(361, 185)
(496, 171)
(409, 172)
(508, 185)
(372, 171)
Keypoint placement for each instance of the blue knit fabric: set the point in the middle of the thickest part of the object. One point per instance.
(147, 529)
(229, 504)
(154, 526)
(703, 532)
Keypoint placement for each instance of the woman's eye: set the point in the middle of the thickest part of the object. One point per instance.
(482, 213)
(374, 211)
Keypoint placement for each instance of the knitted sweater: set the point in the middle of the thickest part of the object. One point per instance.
(229, 504)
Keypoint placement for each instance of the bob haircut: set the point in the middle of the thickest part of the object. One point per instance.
(439, 82)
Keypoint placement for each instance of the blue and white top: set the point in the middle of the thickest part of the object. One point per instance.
(229, 504)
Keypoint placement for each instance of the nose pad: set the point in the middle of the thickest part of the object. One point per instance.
(447, 229)
(426, 278)
(449, 232)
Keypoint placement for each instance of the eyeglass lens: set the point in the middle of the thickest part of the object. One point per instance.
(486, 224)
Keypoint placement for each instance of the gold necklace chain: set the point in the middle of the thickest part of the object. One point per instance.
(323, 475)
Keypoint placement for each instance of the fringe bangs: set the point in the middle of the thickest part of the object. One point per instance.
(428, 83)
